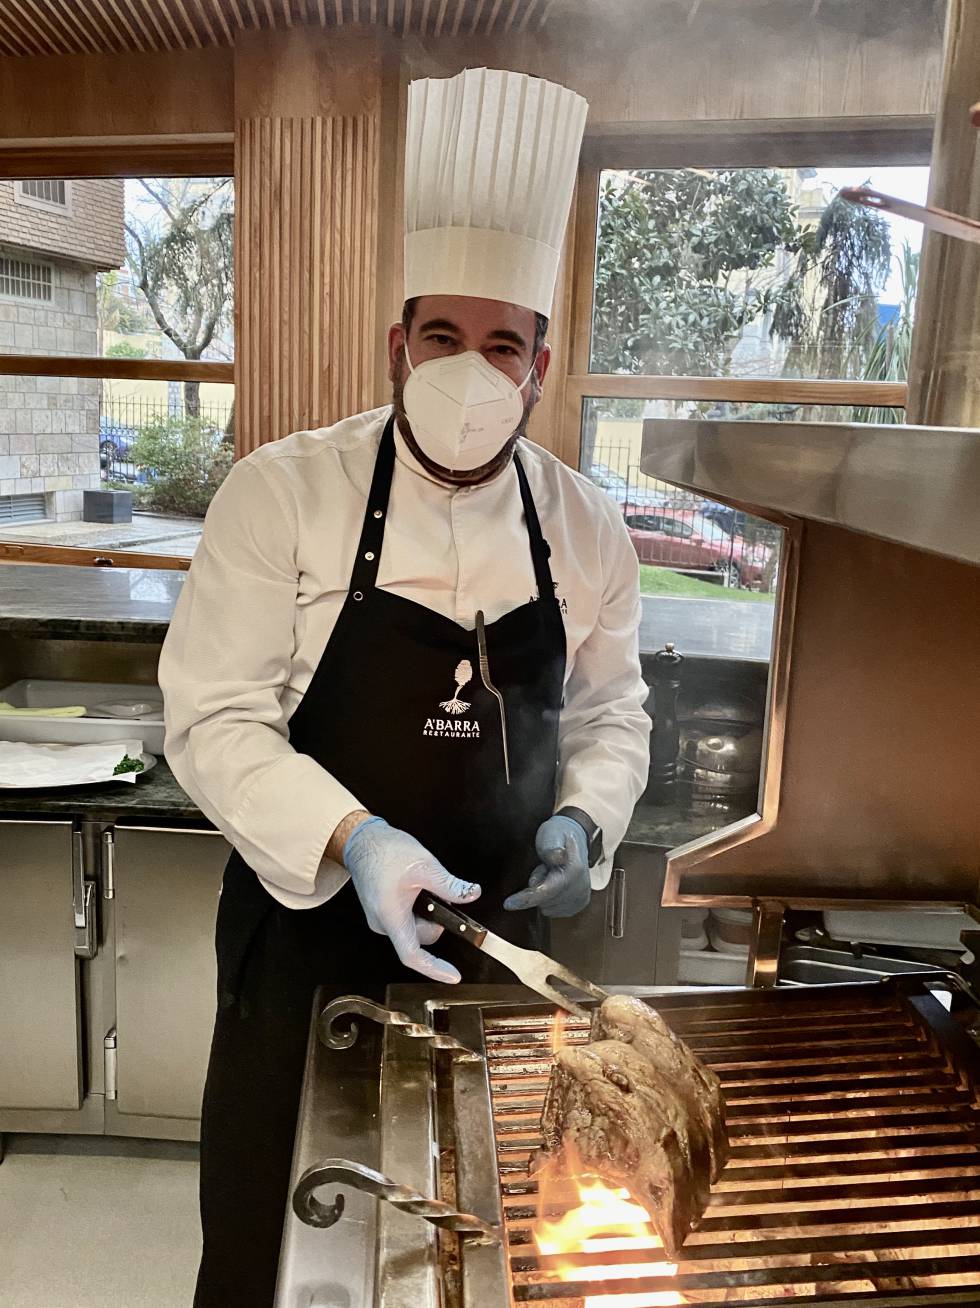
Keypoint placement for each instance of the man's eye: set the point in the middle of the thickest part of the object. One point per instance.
(438, 339)
(504, 349)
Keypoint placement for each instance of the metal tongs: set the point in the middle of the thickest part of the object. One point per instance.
(937, 220)
(535, 969)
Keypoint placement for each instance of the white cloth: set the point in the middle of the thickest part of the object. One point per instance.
(26, 763)
(490, 165)
(268, 582)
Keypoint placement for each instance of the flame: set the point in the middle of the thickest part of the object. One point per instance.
(606, 1219)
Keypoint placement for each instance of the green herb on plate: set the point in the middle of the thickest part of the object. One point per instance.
(128, 764)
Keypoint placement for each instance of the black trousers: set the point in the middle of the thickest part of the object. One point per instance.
(270, 961)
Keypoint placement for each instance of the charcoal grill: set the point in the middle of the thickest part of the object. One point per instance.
(855, 1172)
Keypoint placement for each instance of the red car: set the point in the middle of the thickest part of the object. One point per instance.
(686, 541)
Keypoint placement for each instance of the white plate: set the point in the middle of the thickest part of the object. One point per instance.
(128, 708)
(149, 763)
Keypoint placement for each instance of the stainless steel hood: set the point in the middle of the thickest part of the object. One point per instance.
(917, 486)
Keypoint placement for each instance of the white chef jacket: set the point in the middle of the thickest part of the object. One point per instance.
(267, 585)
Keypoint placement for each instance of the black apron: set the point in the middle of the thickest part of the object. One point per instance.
(397, 712)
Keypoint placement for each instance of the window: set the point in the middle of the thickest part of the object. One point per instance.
(24, 279)
(116, 364)
(733, 289)
(44, 192)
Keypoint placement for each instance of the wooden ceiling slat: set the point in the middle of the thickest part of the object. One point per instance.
(222, 17)
(12, 39)
(120, 17)
(56, 39)
(106, 36)
(140, 23)
(477, 15)
(25, 33)
(189, 23)
(205, 19)
(165, 42)
(66, 12)
(31, 28)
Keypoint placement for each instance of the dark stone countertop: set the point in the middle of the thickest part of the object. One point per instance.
(158, 795)
(155, 795)
(131, 604)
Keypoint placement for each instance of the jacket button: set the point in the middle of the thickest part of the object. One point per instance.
(378, 513)
(369, 555)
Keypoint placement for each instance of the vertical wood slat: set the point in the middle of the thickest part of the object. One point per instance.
(306, 240)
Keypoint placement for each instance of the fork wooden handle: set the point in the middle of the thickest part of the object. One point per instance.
(434, 910)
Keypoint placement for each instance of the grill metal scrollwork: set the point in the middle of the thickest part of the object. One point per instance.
(340, 1171)
(356, 1004)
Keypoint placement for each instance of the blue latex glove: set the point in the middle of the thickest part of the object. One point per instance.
(388, 868)
(560, 886)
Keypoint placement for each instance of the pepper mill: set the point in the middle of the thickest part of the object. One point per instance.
(665, 743)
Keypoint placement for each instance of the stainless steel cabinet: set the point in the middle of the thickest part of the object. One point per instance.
(165, 886)
(623, 937)
(42, 893)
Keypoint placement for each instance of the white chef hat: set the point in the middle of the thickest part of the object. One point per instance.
(490, 163)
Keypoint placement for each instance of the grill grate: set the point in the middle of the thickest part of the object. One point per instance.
(855, 1168)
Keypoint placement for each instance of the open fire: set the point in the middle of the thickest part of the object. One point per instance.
(604, 1220)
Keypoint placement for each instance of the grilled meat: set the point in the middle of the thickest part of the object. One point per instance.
(623, 1017)
(635, 1106)
(602, 1112)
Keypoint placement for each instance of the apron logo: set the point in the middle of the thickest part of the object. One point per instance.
(562, 601)
(464, 675)
(454, 727)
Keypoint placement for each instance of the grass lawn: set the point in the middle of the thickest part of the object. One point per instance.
(662, 581)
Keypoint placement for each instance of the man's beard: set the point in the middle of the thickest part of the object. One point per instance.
(458, 477)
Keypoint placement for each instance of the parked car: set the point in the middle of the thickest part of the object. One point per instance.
(627, 496)
(687, 541)
(115, 441)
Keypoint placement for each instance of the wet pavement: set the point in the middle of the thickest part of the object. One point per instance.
(720, 628)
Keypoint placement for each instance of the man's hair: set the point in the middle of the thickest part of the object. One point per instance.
(540, 323)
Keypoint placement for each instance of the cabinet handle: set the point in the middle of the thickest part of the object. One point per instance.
(108, 865)
(86, 942)
(617, 903)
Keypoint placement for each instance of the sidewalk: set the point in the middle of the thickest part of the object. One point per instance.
(715, 628)
(148, 533)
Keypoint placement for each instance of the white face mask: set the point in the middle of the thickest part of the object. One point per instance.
(462, 409)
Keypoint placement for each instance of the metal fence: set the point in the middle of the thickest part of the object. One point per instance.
(120, 422)
(684, 532)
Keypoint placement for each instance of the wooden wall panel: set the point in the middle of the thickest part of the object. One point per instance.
(306, 230)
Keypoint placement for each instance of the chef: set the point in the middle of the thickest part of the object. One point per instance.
(327, 704)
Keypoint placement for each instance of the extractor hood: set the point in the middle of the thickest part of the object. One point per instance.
(916, 486)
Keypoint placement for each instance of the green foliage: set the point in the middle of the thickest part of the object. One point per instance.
(186, 460)
(685, 261)
(888, 359)
(125, 350)
(828, 308)
(688, 258)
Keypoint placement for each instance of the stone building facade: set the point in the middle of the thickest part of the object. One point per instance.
(55, 236)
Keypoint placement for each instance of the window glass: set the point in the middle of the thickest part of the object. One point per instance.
(137, 269)
(760, 272)
(65, 436)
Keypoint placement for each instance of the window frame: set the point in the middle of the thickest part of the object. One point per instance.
(137, 157)
(820, 142)
(66, 210)
(11, 256)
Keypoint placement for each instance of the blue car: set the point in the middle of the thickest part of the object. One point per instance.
(115, 441)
